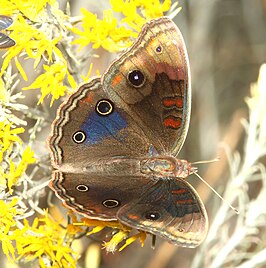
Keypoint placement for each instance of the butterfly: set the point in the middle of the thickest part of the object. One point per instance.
(5, 41)
(115, 141)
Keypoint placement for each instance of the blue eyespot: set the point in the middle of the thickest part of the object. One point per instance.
(79, 137)
(136, 78)
(104, 107)
(111, 203)
(82, 188)
(159, 49)
(153, 216)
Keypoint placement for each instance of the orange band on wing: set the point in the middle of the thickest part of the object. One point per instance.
(88, 99)
(117, 79)
(174, 101)
(172, 122)
(179, 102)
(180, 191)
(186, 201)
(133, 217)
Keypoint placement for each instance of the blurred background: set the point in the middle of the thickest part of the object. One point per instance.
(226, 43)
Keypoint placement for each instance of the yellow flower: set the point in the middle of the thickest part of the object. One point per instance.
(37, 30)
(87, 77)
(7, 213)
(32, 10)
(141, 236)
(31, 40)
(8, 136)
(108, 34)
(137, 12)
(154, 9)
(7, 245)
(7, 223)
(122, 232)
(45, 239)
(103, 33)
(51, 82)
(16, 171)
(130, 10)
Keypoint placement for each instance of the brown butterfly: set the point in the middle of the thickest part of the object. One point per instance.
(115, 140)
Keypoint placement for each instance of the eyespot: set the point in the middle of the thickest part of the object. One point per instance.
(104, 107)
(136, 78)
(180, 230)
(159, 49)
(82, 188)
(153, 216)
(111, 203)
(79, 137)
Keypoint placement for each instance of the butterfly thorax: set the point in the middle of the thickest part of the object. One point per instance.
(167, 166)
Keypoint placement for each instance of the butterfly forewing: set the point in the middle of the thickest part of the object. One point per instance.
(152, 82)
(84, 133)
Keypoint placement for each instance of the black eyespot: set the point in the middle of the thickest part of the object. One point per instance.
(153, 216)
(180, 230)
(159, 49)
(111, 203)
(136, 78)
(82, 188)
(79, 137)
(104, 107)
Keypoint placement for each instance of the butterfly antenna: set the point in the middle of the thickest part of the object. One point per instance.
(216, 159)
(233, 208)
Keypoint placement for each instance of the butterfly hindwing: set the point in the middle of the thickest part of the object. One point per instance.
(171, 208)
(95, 195)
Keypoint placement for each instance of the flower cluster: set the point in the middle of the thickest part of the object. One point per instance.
(44, 241)
(122, 232)
(108, 33)
(48, 43)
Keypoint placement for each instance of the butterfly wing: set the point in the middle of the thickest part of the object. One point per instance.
(90, 141)
(151, 81)
(97, 196)
(167, 208)
(172, 209)
(89, 127)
